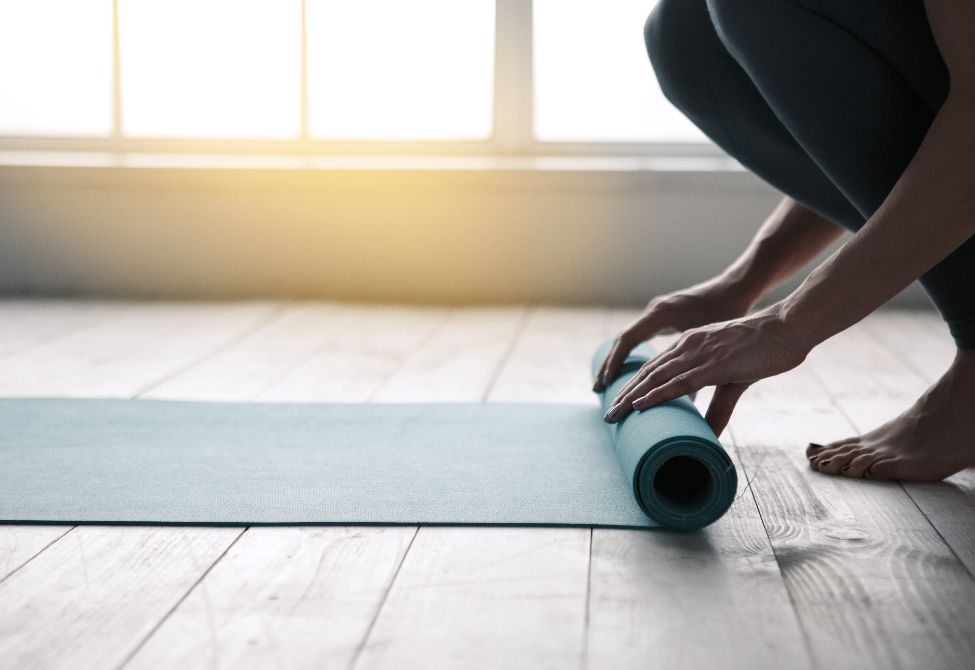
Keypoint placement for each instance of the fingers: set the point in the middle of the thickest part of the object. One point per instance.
(646, 327)
(723, 405)
(649, 394)
(655, 367)
(612, 363)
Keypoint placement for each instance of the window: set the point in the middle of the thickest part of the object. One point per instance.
(400, 69)
(55, 67)
(210, 68)
(472, 76)
(593, 81)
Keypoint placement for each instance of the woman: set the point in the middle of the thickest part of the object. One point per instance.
(844, 106)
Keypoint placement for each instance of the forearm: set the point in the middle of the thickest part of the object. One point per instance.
(791, 237)
(929, 213)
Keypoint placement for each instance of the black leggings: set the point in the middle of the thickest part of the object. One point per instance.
(826, 100)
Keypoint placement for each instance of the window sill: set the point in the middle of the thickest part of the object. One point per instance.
(298, 162)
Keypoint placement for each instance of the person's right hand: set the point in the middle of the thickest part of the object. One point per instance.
(709, 302)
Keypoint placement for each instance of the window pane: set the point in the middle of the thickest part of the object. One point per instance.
(593, 81)
(56, 67)
(211, 68)
(400, 69)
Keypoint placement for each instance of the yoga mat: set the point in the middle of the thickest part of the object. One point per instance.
(141, 461)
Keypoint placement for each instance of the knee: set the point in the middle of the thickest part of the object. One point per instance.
(676, 36)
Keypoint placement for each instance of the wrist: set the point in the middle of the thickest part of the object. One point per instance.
(800, 325)
(743, 286)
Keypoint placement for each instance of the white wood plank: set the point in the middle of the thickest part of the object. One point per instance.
(361, 357)
(250, 365)
(460, 361)
(91, 596)
(31, 323)
(485, 598)
(129, 354)
(872, 582)
(550, 361)
(918, 338)
(282, 597)
(19, 544)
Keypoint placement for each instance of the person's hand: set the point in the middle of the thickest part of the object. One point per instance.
(712, 301)
(729, 356)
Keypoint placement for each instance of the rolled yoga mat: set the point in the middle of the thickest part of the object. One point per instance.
(150, 462)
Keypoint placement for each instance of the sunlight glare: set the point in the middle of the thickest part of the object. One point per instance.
(56, 67)
(593, 81)
(211, 68)
(400, 70)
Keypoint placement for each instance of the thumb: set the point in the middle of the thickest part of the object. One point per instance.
(723, 404)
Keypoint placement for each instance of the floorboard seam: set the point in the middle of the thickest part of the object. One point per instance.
(937, 531)
(382, 603)
(438, 326)
(585, 634)
(807, 642)
(152, 631)
(258, 325)
(506, 356)
(36, 554)
(64, 336)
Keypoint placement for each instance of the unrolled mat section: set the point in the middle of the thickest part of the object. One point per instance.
(149, 462)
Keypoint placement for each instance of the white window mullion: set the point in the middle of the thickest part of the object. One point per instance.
(513, 76)
(303, 134)
(116, 77)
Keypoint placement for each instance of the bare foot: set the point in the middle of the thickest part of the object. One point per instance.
(932, 440)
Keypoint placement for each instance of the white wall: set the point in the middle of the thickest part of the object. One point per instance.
(589, 236)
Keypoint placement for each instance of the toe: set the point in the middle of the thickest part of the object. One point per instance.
(833, 462)
(826, 456)
(816, 449)
(858, 464)
(884, 469)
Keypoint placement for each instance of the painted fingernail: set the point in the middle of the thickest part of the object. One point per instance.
(826, 462)
(813, 445)
(612, 413)
(813, 457)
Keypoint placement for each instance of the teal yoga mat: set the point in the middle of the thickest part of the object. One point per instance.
(147, 462)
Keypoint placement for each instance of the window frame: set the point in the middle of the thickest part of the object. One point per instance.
(512, 130)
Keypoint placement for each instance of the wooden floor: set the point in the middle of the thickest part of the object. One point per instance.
(804, 571)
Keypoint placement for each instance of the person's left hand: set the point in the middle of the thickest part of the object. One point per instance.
(730, 355)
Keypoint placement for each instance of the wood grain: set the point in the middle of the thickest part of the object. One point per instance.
(872, 582)
(918, 343)
(130, 353)
(84, 601)
(282, 597)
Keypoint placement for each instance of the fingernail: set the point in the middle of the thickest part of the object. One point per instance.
(815, 446)
(845, 468)
(826, 462)
(813, 457)
(612, 413)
